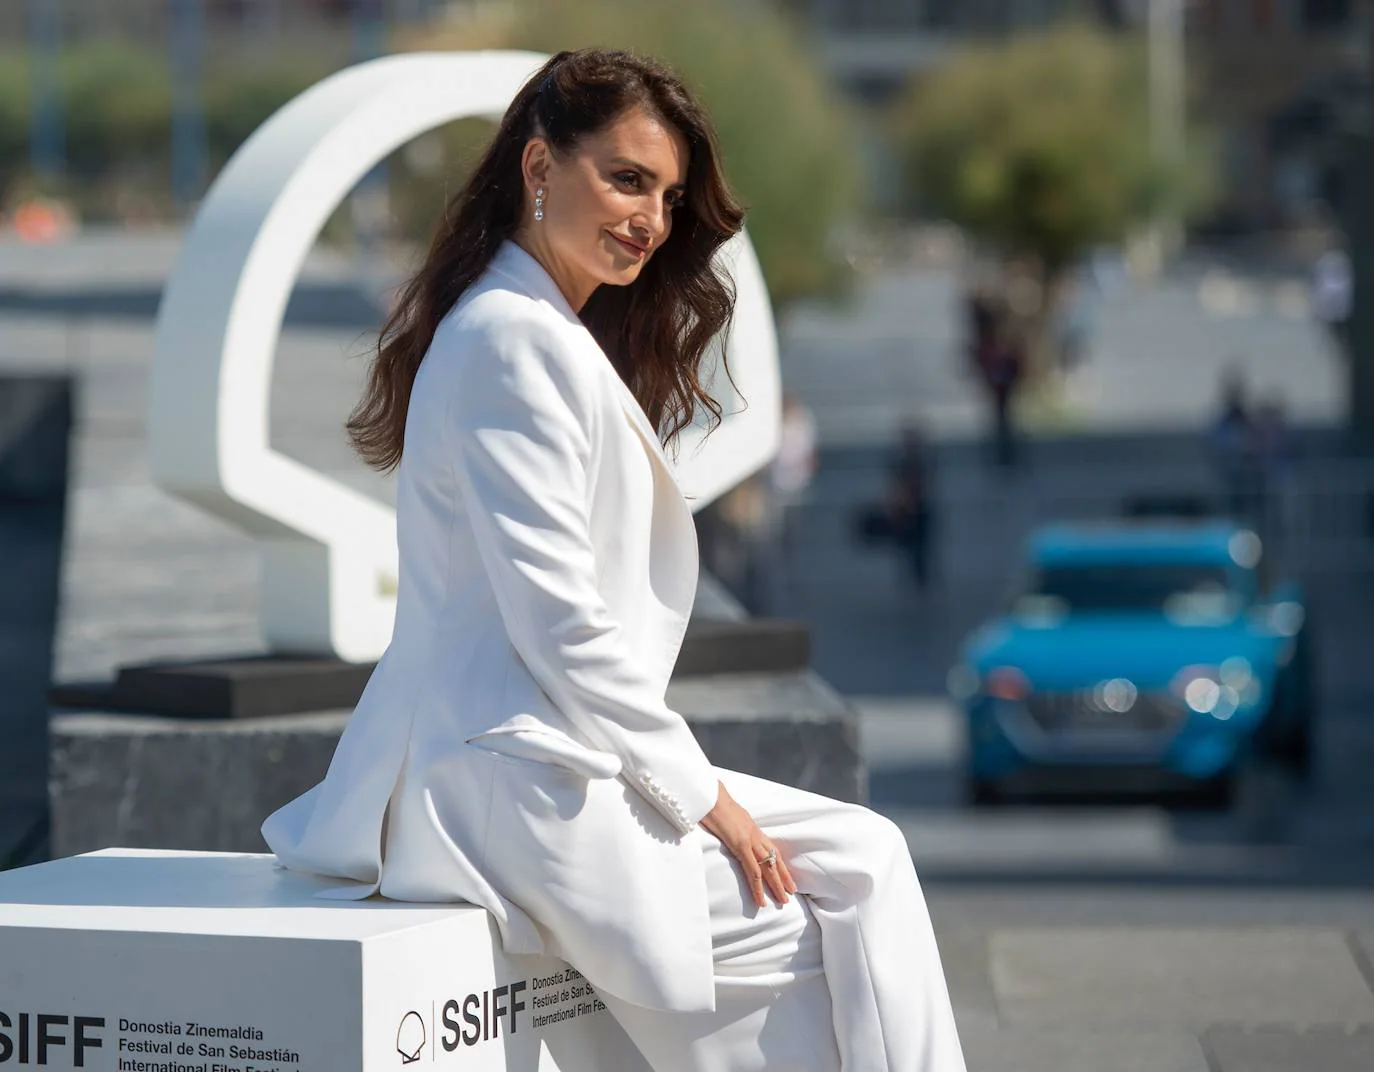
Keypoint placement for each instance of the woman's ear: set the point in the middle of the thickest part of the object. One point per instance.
(534, 163)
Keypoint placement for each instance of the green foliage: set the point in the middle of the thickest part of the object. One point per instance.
(14, 119)
(238, 100)
(117, 115)
(1041, 144)
(786, 141)
(117, 111)
(430, 170)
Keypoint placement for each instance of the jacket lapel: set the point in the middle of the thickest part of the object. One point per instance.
(675, 539)
(518, 265)
(635, 412)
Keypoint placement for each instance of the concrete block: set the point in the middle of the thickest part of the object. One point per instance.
(207, 784)
(94, 956)
(180, 783)
(1293, 976)
(259, 686)
(787, 727)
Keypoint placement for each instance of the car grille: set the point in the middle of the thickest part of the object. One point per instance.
(1080, 712)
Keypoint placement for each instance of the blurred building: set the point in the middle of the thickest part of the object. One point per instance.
(1277, 78)
(150, 19)
(1281, 78)
(1274, 77)
(872, 46)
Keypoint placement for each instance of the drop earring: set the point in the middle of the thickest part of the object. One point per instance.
(539, 204)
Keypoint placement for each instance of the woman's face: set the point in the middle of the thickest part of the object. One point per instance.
(608, 205)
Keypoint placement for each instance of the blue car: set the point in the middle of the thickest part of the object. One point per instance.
(1137, 656)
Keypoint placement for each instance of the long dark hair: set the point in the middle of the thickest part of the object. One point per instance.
(655, 331)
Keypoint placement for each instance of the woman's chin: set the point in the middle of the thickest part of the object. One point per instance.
(622, 275)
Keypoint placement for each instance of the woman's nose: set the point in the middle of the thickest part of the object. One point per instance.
(654, 218)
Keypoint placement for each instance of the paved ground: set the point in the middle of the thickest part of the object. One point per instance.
(1155, 357)
(1091, 939)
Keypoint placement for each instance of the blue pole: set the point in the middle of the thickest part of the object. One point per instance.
(369, 29)
(47, 138)
(188, 115)
(369, 42)
(370, 202)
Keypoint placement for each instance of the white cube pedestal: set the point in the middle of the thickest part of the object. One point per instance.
(156, 961)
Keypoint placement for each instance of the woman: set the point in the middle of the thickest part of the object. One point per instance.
(513, 748)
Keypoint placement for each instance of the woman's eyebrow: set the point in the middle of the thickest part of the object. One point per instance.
(648, 172)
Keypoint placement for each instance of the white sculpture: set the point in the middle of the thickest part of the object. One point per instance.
(328, 552)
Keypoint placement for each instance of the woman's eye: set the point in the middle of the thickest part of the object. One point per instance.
(629, 178)
(674, 198)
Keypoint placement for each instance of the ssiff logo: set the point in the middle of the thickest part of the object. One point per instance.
(410, 1037)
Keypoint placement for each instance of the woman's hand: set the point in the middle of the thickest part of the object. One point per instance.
(736, 830)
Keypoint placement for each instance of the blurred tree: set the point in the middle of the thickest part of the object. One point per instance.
(118, 103)
(239, 99)
(430, 170)
(786, 140)
(1039, 146)
(117, 99)
(14, 121)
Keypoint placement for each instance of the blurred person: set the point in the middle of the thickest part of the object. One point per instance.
(903, 518)
(1332, 296)
(513, 748)
(1002, 377)
(996, 359)
(1272, 446)
(1232, 442)
(981, 318)
(746, 542)
(1072, 326)
(909, 503)
(790, 475)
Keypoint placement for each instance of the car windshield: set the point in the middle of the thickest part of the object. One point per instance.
(1183, 589)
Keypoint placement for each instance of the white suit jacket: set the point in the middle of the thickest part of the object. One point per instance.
(548, 565)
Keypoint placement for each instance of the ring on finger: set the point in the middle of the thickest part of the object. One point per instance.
(771, 859)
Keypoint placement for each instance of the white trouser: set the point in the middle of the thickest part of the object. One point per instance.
(846, 977)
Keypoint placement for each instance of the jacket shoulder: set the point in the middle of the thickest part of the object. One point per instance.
(495, 319)
(503, 341)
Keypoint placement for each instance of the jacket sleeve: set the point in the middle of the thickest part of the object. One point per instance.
(520, 419)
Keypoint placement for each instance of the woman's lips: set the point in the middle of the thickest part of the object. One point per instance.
(634, 250)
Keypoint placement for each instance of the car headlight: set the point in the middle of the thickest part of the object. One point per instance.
(1286, 618)
(1000, 683)
(1006, 683)
(1218, 691)
(1237, 673)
